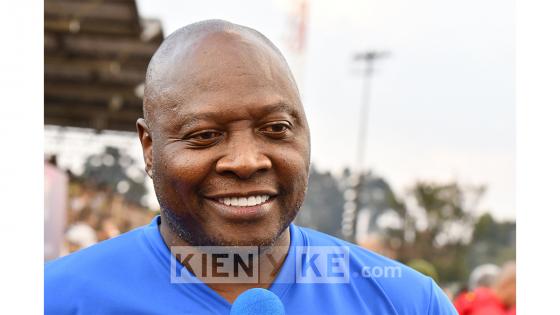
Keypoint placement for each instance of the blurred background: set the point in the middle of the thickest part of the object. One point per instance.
(410, 105)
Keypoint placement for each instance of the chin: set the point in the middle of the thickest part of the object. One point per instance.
(261, 236)
(253, 241)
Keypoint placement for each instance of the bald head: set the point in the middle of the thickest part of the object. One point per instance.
(195, 54)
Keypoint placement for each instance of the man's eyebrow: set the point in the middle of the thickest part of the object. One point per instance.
(192, 119)
(281, 107)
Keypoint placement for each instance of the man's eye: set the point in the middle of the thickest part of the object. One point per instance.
(206, 135)
(204, 138)
(275, 128)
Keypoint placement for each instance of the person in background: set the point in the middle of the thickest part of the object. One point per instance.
(493, 295)
(483, 276)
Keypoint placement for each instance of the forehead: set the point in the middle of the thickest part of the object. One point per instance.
(226, 72)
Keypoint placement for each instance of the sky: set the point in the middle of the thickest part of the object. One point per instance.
(442, 102)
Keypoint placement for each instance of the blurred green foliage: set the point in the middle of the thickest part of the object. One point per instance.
(436, 223)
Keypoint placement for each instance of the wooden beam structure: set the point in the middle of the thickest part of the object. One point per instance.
(96, 55)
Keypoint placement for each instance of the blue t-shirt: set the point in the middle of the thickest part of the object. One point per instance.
(130, 274)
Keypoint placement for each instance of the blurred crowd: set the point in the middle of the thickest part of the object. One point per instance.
(97, 213)
(93, 213)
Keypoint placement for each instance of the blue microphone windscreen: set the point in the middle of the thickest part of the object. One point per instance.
(257, 301)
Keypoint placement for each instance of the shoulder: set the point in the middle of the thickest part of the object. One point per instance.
(403, 286)
(93, 265)
(92, 272)
(97, 256)
(359, 256)
(362, 258)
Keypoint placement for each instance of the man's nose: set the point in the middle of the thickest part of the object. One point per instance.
(244, 159)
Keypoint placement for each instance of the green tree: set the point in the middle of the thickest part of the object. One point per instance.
(322, 208)
(493, 242)
(438, 225)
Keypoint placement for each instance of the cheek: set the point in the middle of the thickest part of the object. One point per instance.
(293, 169)
(180, 173)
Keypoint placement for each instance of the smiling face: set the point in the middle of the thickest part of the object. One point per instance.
(228, 143)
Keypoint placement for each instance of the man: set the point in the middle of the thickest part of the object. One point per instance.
(226, 142)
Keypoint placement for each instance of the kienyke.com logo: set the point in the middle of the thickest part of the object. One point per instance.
(248, 264)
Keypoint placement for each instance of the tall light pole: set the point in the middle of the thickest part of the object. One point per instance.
(353, 205)
(368, 57)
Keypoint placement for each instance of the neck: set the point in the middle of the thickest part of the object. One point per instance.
(270, 261)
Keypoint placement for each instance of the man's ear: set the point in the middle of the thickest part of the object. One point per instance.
(146, 141)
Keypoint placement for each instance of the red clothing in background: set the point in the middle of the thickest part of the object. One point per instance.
(481, 301)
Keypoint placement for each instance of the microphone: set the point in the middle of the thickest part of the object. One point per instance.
(257, 301)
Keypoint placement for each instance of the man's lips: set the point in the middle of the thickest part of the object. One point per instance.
(243, 199)
(247, 206)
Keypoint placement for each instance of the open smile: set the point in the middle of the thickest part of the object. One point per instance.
(244, 201)
(247, 207)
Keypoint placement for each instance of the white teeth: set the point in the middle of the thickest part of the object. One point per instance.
(244, 201)
(252, 201)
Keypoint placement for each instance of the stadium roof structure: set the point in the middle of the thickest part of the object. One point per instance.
(96, 55)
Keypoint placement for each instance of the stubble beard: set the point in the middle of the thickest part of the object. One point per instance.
(199, 237)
